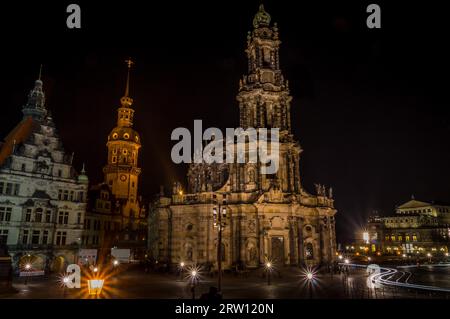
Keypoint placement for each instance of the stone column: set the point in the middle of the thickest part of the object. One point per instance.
(259, 243)
(326, 239)
(320, 241)
(300, 254)
(332, 238)
(291, 241)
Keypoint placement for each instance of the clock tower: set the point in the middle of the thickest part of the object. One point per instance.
(122, 171)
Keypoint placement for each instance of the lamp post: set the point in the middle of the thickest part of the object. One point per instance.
(219, 212)
(269, 270)
(27, 272)
(65, 281)
(194, 275)
(310, 277)
(95, 287)
(181, 270)
(347, 268)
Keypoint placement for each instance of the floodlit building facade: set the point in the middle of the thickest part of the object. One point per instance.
(42, 197)
(268, 217)
(416, 228)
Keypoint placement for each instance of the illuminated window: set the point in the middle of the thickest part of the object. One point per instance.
(393, 237)
(126, 136)
(386, 237)
(407, 237)
(115, 136)
(414, 237)
(400, 238)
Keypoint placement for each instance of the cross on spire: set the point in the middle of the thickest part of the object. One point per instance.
(129, 63)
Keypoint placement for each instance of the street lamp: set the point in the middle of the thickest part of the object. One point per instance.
(429, 256)
(65, 282)
(310, 278)
(194, 275)
(116, 262)
(27, 272)
(268, 270)
(181, 269)
(95, 286)
(219, 212)
(340, 257)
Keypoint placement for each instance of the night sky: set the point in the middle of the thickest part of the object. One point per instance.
(370, 107)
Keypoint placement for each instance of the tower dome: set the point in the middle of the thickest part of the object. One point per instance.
(83, 178)
(262, 18)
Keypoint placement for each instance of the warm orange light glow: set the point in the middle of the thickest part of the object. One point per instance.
(95, 286)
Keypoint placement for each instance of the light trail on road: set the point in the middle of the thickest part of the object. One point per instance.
(385, 275)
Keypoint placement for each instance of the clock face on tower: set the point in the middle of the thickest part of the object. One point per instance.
(123, 178)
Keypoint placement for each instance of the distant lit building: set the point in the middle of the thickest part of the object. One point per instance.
(42, 197)
(416, 228)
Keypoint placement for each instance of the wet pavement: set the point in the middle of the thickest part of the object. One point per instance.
(288, 283)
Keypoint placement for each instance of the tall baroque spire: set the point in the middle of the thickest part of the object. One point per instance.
(264, 99)
(126, 100)
(125, 112)
(262, 18)
(35, 106)
(122, 171)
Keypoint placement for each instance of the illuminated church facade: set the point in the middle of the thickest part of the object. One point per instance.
(269, 217)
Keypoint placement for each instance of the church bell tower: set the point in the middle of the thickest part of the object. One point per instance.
(264, 100)
(122, 171)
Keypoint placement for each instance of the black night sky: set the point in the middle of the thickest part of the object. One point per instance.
(370, 107)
